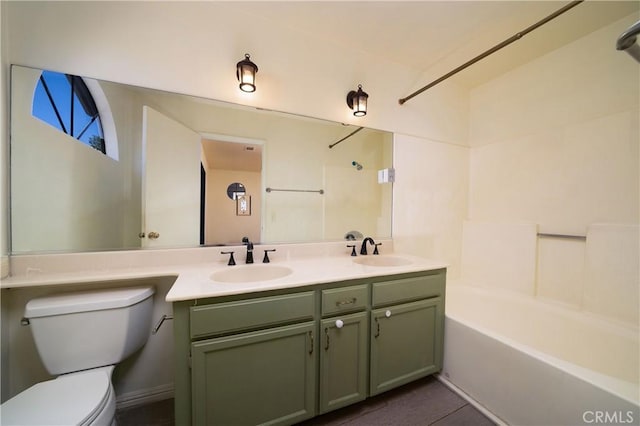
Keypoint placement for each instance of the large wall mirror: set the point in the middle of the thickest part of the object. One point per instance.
(108, 166)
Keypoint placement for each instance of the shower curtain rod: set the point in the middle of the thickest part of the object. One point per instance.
(494, 49)
(346, 137)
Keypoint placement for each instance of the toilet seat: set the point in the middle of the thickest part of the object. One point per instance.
(74, 399)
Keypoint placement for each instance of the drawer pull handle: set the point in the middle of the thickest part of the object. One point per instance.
(326, 333)
(387, 313)
(341, 303)
(339, 323)
(311, 338)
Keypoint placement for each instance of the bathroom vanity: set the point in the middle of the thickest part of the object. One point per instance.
(283, 355)
(312, 331)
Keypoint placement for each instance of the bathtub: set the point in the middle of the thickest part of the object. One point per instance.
(534, 363)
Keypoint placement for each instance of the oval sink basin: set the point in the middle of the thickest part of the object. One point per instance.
(250, 273)
(382, 260)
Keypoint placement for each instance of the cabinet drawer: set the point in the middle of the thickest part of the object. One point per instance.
(345, 299)
(407, 289)
(247, 314)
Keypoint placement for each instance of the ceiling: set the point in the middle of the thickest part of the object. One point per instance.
(437, 36)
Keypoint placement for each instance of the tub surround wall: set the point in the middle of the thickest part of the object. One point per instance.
(561, 153)
(557, 156)
(593, 350)
(603, 278)
(500, 255)
(612, 272)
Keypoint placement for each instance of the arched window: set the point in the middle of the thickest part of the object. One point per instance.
(65, 102)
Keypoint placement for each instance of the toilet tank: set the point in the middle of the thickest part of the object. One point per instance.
(88, 329)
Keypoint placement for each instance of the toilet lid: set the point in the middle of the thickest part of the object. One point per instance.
(68, 400)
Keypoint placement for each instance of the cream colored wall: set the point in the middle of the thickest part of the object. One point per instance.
(222, 225)
(555, 143)
(430, 198)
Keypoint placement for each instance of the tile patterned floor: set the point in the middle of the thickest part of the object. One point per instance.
(421, 403)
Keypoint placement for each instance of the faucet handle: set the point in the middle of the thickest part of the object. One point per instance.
(353, 250)
(265, 259)
(232, 261)
(375, 250)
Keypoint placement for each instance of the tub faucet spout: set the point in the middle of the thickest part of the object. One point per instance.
(363, 249)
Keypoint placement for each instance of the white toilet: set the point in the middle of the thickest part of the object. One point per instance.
(80, 336)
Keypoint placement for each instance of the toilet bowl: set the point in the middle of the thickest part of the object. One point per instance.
(85, 398)
(80, 336)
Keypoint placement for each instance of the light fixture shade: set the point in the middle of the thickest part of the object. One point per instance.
(246, 73)
(357, 101)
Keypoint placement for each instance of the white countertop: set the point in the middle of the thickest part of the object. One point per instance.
(196, 283)
(192, 268)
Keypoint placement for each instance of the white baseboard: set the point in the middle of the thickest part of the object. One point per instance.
(144, 396)
(462, 394)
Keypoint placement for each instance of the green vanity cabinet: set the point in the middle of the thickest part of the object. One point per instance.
(404, 343)
(406, 338)
(253, 360)
(266, 376)
(344, 338)
(282, 356)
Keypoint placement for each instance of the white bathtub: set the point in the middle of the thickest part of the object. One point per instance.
(535, 363)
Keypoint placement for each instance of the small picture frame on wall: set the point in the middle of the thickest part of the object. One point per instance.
(243, 205)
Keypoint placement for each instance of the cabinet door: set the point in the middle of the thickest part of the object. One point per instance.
(267, 376)
(343, 361)
(406, 343)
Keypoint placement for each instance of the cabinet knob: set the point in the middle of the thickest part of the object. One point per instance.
(339, 323)
(387, 313)
(153, 235)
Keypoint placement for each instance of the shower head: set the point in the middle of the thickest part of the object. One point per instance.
(357, 165)
(627, 41)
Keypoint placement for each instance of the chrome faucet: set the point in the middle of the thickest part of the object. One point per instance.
(363, 249)
(249, 245)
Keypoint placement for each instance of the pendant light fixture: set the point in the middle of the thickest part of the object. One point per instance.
(246, 73)
(357, 101)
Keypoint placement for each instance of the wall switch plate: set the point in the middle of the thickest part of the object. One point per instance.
(387, 175)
